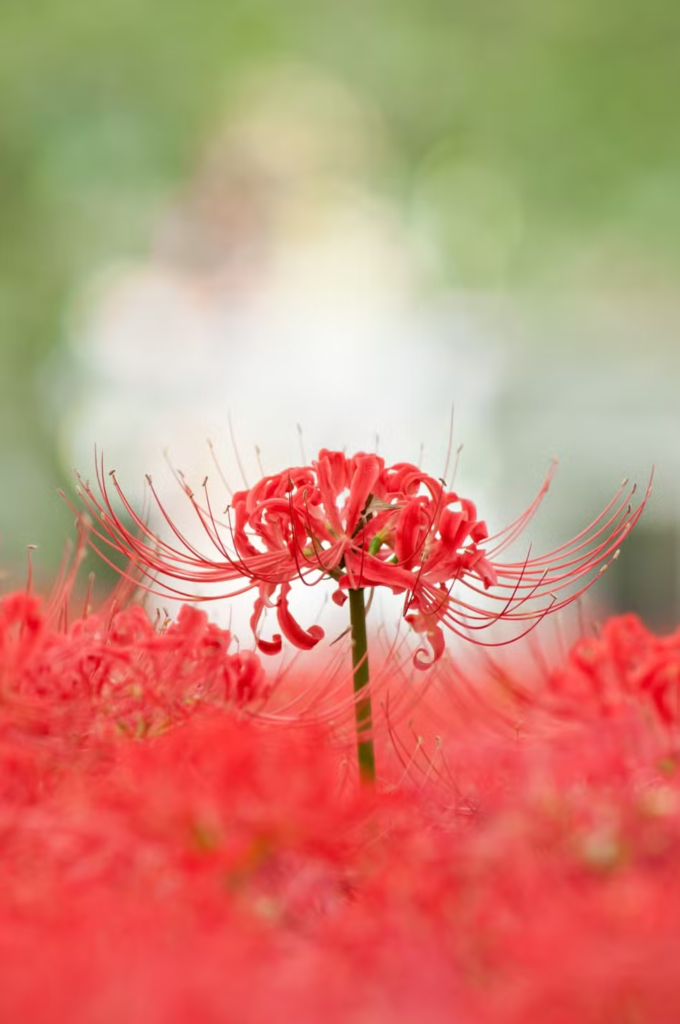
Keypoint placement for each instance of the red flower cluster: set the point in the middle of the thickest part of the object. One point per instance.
(117, 671)
(622, 666)
(211, 867)
(363, 524)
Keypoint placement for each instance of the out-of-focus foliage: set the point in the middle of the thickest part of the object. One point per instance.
(537, 143)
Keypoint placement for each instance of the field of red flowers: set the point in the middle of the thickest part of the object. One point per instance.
(178, 843)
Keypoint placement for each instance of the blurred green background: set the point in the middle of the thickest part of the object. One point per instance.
(530, 148)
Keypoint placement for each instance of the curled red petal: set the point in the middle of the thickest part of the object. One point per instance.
(272, 646)
(367, 471)
(292, 630)
(337, 463)
(479, 532)
(455, 528)
(328, 488)
(409, 533)
(429, 625)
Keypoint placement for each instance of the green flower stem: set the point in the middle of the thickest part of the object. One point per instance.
(362, 708)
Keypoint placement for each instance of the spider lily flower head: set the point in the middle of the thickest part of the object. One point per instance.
(363, 524)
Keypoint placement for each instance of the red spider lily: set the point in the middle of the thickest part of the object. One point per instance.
(363, 524)
(625, 665)
(119, 672)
